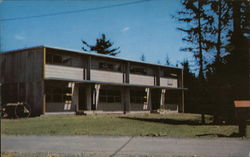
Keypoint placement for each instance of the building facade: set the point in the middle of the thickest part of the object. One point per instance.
(54, 80)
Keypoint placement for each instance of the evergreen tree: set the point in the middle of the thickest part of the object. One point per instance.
(194, 15)
(238, 58)
(196, 20)
(143, 58)
(217, 81)
(102, 46)
(167, 60)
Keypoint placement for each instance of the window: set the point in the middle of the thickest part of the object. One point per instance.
(67, 61)
(106, 66)
(169, 74)
(58, 59)
(58, 94)
(138, 70)
(109, 66)
(110, 96)
(138, 96)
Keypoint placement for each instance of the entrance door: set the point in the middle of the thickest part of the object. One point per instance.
(155, 98)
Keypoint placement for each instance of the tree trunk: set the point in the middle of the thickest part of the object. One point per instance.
(200, 56)
(202, 118)
(218, 44)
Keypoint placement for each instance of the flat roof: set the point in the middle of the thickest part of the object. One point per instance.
(91, 54)
(111, 83)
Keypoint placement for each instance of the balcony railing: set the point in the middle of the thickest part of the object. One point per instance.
(106, 76)
(63, 72)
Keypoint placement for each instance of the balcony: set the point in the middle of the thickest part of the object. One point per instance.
(141, 79)
(169, 82)
(106, 76)
(63, 72)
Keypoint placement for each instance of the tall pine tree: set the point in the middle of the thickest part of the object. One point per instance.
(195, 22)
(102, 46)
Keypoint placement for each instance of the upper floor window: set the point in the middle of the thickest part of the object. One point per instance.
(138, 70)
(110, 66)
(169, 74)
(58, 59)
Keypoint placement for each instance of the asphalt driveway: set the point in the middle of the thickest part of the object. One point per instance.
(125, 146)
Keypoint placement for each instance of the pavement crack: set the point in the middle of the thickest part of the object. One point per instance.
(124, 145)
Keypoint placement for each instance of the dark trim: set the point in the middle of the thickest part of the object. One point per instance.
(88, 67)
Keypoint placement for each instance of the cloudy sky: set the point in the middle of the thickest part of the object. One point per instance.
(136, 26)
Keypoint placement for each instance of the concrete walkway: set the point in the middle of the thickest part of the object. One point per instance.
(125, 146)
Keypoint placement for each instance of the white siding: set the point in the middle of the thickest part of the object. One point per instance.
(63, 72)
(168, 82)
(106, 76)
(141, 80)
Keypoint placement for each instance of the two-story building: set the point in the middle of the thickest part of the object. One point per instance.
(54, 80)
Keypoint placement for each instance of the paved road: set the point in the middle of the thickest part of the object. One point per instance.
(126, 146)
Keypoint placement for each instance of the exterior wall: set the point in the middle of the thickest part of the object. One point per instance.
(110, 106)
(137, 107)
(172, 107)
(106, 76)
(22, 78)
(141, 79)
(65, 72)
(59, 107)
(169, 82)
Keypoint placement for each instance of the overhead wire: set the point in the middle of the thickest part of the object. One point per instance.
(73, 11)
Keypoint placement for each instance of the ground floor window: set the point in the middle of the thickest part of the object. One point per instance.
(58, 94)
(110, 96)
(138, 96)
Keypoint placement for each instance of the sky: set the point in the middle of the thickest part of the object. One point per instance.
(136, 26)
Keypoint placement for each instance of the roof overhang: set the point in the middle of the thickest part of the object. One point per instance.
(111, 83)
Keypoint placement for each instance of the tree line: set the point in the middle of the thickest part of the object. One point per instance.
(217, 33)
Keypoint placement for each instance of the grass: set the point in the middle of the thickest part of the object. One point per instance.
(173, 125)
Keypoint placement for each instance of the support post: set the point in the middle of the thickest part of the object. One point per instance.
(89, 68)
(97, 90)
(163, 92)
(147, 104)
(181, 84)
(127, 72)
(157, 76)
(126, 100)
(88, 97)
(75, 92)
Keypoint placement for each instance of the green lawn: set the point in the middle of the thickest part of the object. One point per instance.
(173, 125)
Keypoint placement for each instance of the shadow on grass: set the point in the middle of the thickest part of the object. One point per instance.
(219, 135)
(177, 122)
(184, 122)
(165, 121)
